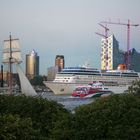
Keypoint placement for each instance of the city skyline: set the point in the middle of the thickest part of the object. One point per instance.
(67, 27)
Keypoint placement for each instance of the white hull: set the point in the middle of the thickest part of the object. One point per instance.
(68, 79)
(60, 88)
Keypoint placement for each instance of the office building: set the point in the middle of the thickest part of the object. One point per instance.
(60, 62)
(32, 64)
(134, 60)
(52, 72)
(112, 56)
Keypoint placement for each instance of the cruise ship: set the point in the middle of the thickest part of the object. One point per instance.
(71, 77)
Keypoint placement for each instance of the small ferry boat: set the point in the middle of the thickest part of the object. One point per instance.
(91, 90)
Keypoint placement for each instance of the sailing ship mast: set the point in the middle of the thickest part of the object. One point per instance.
(10, 65)
(11, 54)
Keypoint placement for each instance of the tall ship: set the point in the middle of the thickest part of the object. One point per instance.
(12, 56)
(69, 78)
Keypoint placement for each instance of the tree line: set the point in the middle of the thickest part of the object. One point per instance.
(113, 117)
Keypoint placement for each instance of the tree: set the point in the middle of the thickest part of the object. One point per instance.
(135, 88)
(37, 81)
(43, 113)
(12, 127)
(109, 118)
(115, 117)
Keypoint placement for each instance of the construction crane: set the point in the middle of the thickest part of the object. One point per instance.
(105, 35)
(106, 31)
(128, 38)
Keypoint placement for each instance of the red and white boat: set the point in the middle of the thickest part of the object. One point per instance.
(92, 90)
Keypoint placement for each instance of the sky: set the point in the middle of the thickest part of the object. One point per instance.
(67, 27)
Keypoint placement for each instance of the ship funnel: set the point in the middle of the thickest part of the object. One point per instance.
(121, 67)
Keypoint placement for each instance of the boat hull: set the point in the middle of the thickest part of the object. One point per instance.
(94, 95)
(60, 88)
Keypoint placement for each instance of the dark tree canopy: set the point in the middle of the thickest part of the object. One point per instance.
(37, 81)
(39, 112)
(111, 118)
(135, 88)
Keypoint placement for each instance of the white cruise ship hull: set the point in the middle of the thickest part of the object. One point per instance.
(69, 78)
(60, 88)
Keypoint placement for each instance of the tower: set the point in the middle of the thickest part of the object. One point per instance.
(60, 62)
(115, 56)
(128, 25)
(32, 64)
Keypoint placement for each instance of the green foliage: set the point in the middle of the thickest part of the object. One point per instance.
(14, 128)
(115, 117)
(37, 81)
(112, 118)
(135, 88)
(63, 129)
(41, 111)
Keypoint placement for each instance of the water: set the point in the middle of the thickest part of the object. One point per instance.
(69, 102)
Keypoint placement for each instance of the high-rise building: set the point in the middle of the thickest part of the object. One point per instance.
(60, 62)
(32, 64)
(111, 56)
(134, 60)
(52, 72)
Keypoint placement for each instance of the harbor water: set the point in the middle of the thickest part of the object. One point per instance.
(69, 102)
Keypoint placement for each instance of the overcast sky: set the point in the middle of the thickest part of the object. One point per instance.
(67, 27)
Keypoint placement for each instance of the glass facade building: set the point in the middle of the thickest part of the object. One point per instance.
(112, 56)
(32, 64)
(60, 62)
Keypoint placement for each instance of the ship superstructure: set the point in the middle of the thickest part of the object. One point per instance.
(66, 80)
